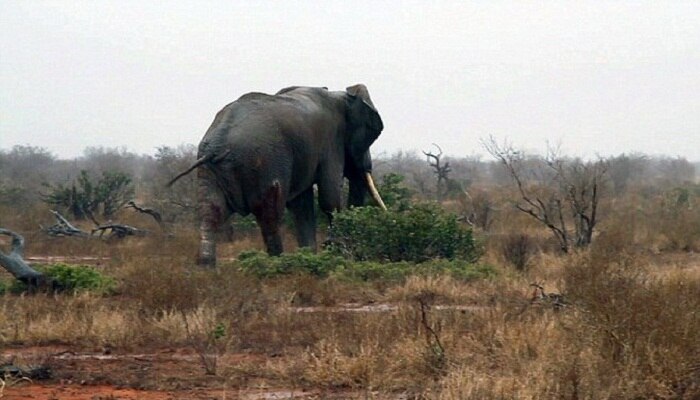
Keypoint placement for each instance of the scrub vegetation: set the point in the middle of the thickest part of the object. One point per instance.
(468, 297)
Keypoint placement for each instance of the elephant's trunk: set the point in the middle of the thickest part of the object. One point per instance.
(373, 191)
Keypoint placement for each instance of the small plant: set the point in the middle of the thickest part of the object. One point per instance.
(207, 335)
(420, 233)
(435, 357)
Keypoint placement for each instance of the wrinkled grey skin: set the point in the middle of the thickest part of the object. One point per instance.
(264, 153)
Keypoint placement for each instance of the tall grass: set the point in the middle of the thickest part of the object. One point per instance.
(631, 329)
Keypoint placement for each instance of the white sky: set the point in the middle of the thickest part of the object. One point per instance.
(598, 77)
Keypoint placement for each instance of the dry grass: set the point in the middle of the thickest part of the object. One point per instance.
(631, 331)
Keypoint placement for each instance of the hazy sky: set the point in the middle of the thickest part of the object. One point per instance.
(598, 77)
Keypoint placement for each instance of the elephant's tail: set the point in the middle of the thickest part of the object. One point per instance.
(200, 161)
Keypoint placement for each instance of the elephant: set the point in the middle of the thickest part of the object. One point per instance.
(264, 153)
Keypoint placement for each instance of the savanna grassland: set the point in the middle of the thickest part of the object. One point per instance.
(487, 306)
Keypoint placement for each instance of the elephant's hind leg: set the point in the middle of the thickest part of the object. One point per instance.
(269, 217)
(213, 212)
(302, 207)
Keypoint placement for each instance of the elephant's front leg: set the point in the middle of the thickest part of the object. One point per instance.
(268, 213)
(330, 194)
(302, 207)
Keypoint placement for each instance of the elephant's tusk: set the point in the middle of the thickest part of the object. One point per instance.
(374, 192)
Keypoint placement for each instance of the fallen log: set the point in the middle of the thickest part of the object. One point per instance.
(118, 230)
(63, 228)
(14, 262)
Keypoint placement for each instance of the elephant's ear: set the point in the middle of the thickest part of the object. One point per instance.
(361, 109)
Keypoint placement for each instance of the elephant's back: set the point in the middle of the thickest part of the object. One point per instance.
(257, 107)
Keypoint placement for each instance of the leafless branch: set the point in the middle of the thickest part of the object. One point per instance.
(153, 213)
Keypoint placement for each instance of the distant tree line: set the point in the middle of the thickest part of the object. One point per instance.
(104, 180)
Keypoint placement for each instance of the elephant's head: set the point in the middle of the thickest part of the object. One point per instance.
(363, 127)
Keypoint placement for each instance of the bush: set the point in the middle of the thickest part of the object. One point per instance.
(518, 249)
(85, 196)
(420, 233)
(394, 192)
(326, 263)
(303, 261)
(67, 277)
(78, 277)
(644, 325)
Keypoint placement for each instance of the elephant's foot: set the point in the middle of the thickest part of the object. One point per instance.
(273, 243)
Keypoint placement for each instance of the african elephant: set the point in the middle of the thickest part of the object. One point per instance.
(263, 153)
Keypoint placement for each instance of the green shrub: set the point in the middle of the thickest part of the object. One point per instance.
(78, 277)
(67, 277)
(419, 233)
(4, 287)
(327, 263)
(83, 197)
(394, 192)
(303, 261)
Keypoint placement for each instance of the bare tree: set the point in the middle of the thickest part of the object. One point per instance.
(566, 194)
(441, 170)
(581, 184)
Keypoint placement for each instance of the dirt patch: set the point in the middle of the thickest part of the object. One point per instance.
(105, 392)
(60, 392)
(157, 375)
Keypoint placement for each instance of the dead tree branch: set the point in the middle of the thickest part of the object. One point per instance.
(153, 213)
(118, 230)
(64, 228)
(14, 262)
